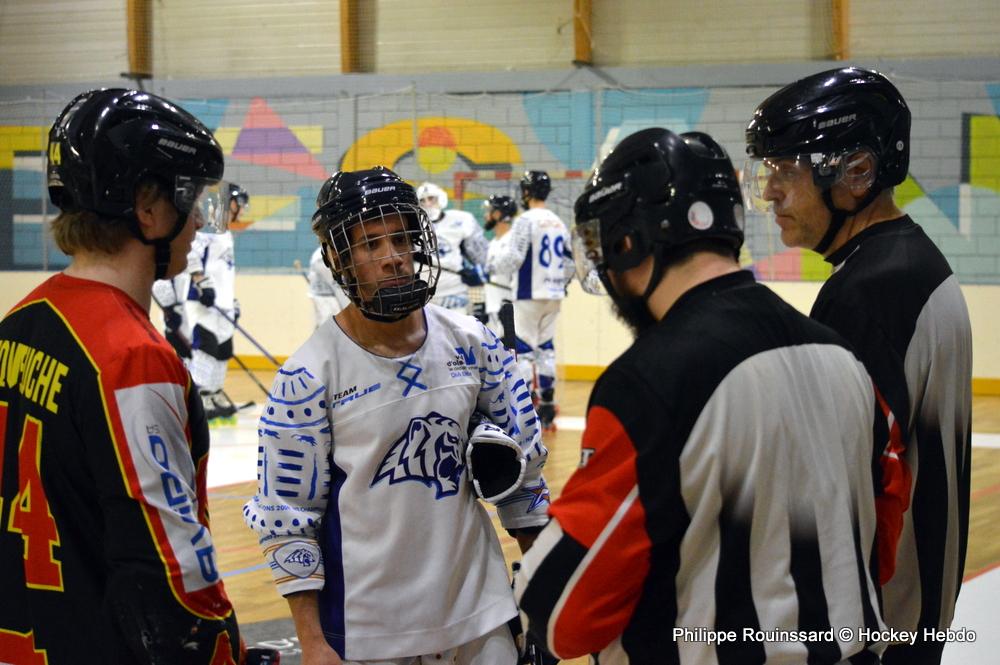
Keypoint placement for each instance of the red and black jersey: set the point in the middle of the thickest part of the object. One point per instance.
(725, 485)
(104, 541)
(895, 298)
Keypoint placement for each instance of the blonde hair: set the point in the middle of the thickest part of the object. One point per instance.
(84, 230)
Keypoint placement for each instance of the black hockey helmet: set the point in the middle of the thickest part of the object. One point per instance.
(822, 120)
(239, 194)
(535, 185)
(351, 198)
(661, 189)
(502, 203)
(105, 142)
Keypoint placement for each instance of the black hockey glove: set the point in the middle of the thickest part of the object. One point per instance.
(495, 461)
(471, 276)
(206, 291)
(479, 312)
(172, 319)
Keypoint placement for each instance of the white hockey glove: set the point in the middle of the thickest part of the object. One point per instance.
(496, 463)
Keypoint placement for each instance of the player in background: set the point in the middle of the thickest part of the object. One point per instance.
(538, 258)
(827, 171)
(461, 248)
(717, 488)
(364, 505)
(104, 538)
(326, 295)
(214, 308)
(499, 212)
(170, 295)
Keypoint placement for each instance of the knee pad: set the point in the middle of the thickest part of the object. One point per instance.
(206, 341)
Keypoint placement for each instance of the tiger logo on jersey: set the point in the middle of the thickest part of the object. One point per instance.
(430, 452)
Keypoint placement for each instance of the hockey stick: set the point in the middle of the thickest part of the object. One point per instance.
(247, 335)
(298, 267)
(190, 349)
(253, 377)
(506, 316)
(488, 281)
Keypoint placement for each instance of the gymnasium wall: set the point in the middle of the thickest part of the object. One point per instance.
(264, 77)
(49, 41)
(282, 137)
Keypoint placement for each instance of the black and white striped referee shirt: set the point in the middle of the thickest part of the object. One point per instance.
(725, 488)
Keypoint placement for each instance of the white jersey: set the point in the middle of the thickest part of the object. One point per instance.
(363, 493)
(212, 254)
(321, 281)
(458, 234)
(538, 257)
(498, 288)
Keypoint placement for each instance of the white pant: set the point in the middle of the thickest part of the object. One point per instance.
(494, 648)
(535, 325)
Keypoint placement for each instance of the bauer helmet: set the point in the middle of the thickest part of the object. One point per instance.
(501, 203)
(822, 122)
(105, 142)
(535, 185)
(356, 210)
(662, 190)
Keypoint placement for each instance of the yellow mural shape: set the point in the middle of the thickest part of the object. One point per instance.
(20, 139)
(440, 141)
(984, 152)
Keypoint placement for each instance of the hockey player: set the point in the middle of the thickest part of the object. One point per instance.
(827, 171)
(718, 490)
(499, 213)
(538, 258)
(170, 296)
(364, 507)
(104, 543)
(212, 266)
(461, 247)
(326, 295)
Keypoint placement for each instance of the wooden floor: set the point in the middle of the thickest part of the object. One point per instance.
(250, 587)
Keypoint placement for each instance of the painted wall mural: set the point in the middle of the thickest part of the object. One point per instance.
(282, 148)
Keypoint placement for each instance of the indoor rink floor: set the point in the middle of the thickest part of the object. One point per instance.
(264, 617)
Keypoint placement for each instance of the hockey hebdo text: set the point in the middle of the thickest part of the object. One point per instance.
(870, 635)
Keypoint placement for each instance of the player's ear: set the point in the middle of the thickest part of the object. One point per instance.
(147, 198)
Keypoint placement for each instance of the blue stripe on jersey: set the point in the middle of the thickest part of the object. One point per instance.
(331, 596)
(521, 346)
(293, 402)
(275, 423)
(524, 276)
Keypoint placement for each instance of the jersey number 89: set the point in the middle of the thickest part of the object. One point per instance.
(548, 248)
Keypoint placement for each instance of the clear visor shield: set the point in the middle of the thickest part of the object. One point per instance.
(387, 259)
(205, 200)
(765, 179)
(589, 256)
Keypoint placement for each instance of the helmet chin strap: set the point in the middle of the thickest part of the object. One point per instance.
(161, 246)
(839, 216)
